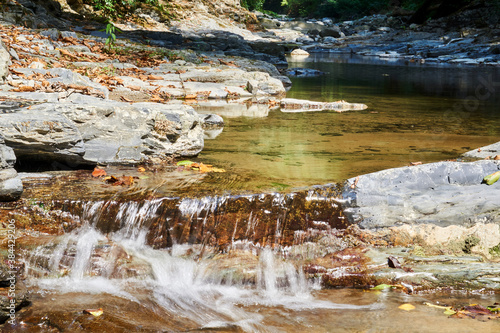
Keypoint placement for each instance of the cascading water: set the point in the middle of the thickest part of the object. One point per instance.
(185, 280)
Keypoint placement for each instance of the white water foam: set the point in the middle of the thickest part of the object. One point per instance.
(178, 283)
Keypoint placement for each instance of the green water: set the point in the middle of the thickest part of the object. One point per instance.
(415, 113)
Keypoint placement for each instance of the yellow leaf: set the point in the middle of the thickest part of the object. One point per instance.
(94, 312)
(406, 307)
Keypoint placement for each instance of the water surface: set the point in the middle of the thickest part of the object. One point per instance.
(415, 113)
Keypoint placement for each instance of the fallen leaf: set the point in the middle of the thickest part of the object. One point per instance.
(125, 99)
(23, 88)
(492, 178)
(94, 312)
(184, 163)
(406, 307)
(496, 158)
(382, 287)
(141, 169)
(154, 77)
(98, 172)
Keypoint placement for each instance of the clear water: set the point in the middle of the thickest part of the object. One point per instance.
(415, 113)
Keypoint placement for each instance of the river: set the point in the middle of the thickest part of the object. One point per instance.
(174, 278)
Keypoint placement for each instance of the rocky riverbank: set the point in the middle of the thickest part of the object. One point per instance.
(68, 102)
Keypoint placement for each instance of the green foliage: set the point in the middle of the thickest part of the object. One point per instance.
(111, 40)
(253, 4)
(341, 9)
(351, 9)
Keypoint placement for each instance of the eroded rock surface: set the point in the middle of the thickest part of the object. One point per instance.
(11, 186)
(440, 194)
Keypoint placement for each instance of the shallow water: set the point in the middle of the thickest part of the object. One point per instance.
(415, 113)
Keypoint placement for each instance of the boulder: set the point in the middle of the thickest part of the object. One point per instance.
(299, 52)
(42, 134)
(11, 186)
(299, 105)
(333, 31)
(123, 133)
(440, 194)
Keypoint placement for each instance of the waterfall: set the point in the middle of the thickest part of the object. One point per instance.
(112, 252)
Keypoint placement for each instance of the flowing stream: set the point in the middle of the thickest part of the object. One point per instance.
(162, 262)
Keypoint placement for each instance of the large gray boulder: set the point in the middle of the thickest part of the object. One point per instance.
(11, 186)
(38, 133)
(122, 133)
(441, 194)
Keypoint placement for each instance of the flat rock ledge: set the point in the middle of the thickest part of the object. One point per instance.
(11, 186)
(89, 130)
(442, 204)
(299, 105)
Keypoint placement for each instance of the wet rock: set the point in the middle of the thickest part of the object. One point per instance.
(11, 285)
(298, 105)
(490, 151)
(11, 186)
(440, 194)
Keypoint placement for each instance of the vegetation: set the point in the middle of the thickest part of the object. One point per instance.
(112, 9)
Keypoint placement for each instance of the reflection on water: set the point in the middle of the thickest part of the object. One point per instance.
(415, 113)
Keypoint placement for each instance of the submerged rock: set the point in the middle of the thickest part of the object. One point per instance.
(299, 105)
(303, 72)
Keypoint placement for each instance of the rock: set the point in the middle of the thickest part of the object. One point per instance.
(4, 61)
(333, 31)
(298, 105)
(41, 134)
(329, 39)
(232, 109)
(484, 152)
(495, 49)
(299, 52)
(11, 186)
(51, 33)
(123, 133)
(439, 194)
(21, 299)
(212, 120)
(303, 72)
(327, 21)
